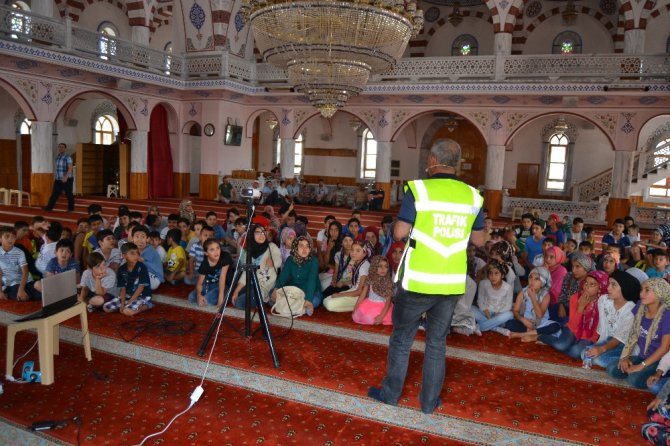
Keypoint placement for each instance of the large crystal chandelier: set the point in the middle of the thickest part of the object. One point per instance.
(330, 48)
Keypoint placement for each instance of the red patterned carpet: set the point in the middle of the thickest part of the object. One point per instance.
(564, 408)
(121, 401)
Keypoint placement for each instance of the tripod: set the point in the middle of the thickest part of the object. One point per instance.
(253, 291)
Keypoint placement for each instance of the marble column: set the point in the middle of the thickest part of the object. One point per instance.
(502, 46)
(383, 171)
(287, 158)
(618, 205)
(495, 162)
(633, 41)
(139, 177)
(42, 7)
(42, 161)
(141, 35)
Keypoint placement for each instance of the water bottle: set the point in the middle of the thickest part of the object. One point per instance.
(588, 362)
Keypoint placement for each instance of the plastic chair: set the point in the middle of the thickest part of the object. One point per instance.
(4, 195)
(19, 197)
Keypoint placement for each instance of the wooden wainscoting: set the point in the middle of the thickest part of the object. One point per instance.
(209, 185)
(181, 184)
(41, 185)
(139, 185)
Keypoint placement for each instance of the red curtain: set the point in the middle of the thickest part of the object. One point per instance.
(160, 156)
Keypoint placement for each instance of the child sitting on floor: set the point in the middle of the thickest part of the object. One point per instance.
(133, 283)
(64, 260)
(494, 301)
(344, 301)
(375, 306)
(16, 281)
(531, 309)
(98, 283)
(175, 260)
(211, 285)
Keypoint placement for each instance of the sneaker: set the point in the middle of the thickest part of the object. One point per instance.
(503, 331)
(90, 308)
(477, 331)
(422, 325)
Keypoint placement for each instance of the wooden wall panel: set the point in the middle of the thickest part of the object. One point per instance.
(181, 184)
(139, 186)
(41, 185)
(9, 178)
(209, 185)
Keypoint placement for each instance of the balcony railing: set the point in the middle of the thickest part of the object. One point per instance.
(62, 36)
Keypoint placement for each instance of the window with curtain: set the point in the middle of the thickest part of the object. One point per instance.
(106, 129)
(107, 43)
(557, 162)
(368, 156)
(25, 128)
(465, 45)
(567, 42)
(20, 23)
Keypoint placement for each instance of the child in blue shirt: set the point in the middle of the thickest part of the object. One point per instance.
(661, 266)
(133, 284)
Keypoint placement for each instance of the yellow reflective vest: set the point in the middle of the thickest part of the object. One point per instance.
(435, 257)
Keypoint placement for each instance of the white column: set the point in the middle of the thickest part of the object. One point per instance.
(139, 154)
(495, 162)
(633, 41)
(287, 158)
(141, 35)
(622, 174)
(41, 147)
(43, 7)
(383, 166)
(502, 43)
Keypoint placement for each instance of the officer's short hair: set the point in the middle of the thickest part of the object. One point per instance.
(447, 152)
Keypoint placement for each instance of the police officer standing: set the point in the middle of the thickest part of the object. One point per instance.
(440, 215)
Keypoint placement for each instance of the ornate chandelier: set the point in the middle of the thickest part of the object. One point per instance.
(330, 48)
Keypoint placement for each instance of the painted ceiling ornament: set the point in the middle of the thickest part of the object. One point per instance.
(197, 17)
(533, 9)
(608, 7)
(432, 14)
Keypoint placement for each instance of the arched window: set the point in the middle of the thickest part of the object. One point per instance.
(168, 57)
(25, 128)
(106, 129)
(465, 45)
(567, 42)
(558, 161)
(107, 42)
(20, 23)
(369, 156)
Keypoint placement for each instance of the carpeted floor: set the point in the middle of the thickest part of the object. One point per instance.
(514, 398)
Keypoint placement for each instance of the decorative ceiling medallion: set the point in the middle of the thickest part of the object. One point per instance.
(501, 99)
(596, 100)
(432, 14)
(533, 9)
(608, 7)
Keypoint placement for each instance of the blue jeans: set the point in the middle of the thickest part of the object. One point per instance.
(566, 343)
(608, 357)
(407, 310)
(242, 300)
(637, 379)
(497, 319)
(211, 295)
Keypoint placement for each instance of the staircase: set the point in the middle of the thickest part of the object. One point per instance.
(648, 168)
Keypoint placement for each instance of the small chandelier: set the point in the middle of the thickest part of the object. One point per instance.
(329, 48)
(569, 14)
(271, 123)
(455, 18)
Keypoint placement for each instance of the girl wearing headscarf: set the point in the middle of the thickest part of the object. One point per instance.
(301, 269)
(650, 333)
(375, 306)
(503, 251)
(267, 257)
(286, 243)
(615, 319)
(531, 315)
(610, 262)
(344, 301)
(553, 261)
(494, 299)
(582, 327)
(186, 210)
(341, 277)
(394, 255)
(371, 234)
(581, 266)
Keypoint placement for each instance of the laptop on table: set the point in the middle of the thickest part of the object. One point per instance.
(59, 292)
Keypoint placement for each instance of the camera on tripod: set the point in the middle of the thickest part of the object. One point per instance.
(250, 194)
(29, 373)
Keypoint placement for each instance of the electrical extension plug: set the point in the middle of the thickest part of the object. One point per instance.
(45, 425)
(197, 393)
